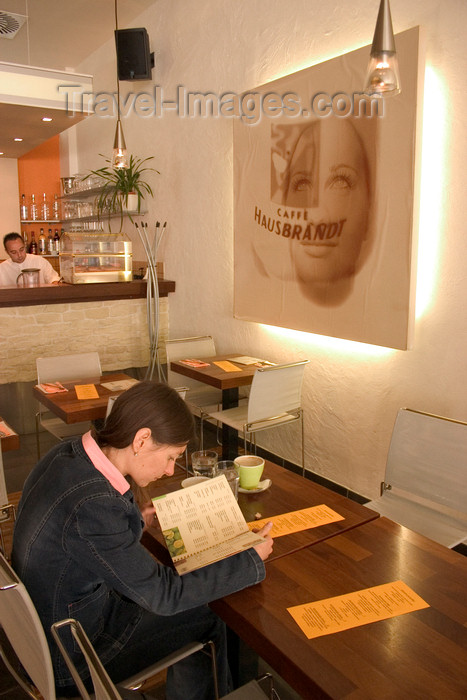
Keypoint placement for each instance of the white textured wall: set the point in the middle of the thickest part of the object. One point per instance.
(351, 392)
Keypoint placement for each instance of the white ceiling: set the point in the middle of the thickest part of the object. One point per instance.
(59, 34)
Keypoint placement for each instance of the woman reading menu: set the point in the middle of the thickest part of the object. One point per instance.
(77, 549)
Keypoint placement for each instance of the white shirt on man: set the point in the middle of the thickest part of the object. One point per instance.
(10, 270)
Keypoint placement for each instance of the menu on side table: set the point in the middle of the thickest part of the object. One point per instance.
(203, 524)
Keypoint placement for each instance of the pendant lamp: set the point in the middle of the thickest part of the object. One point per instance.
(383, 70)
(119, 156)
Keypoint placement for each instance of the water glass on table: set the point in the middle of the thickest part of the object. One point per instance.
(204, 463)
(228, 469)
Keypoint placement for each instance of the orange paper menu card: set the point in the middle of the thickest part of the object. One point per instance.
(86, 391)
(194, 363)
(227, 366)
(350, 610)
(5, 430)
(298, 520)
(51, 387)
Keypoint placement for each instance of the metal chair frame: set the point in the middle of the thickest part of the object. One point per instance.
(26, 637)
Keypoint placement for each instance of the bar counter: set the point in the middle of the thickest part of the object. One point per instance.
(69, 293)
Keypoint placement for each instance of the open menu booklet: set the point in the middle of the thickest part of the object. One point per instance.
(203, 524)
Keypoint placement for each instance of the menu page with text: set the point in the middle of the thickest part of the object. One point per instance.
(203, 524)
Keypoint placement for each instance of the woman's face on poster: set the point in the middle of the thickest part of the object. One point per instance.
(328, 176)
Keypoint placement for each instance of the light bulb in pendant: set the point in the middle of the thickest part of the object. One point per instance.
(119, 157)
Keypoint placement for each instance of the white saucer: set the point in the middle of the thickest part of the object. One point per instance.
(262, 486)
(193, 480)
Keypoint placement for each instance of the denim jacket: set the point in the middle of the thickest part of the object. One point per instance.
(77, 550)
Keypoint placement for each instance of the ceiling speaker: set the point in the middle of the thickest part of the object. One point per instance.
(134, 60)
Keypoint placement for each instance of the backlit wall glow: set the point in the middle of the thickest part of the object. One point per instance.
(433, 174)
(333, 345)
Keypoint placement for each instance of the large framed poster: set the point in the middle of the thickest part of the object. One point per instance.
(325, 201)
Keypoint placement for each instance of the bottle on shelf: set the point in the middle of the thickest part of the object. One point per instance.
(42, 243)
(50, 243)
(33, 213)
(33, 244)
(56, 242)
(45, 209)
(23, 208)
(25, 238)
(56, 208)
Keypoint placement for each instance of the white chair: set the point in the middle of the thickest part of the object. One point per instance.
(275, 400)
(63, 368)
(425, 483)
(34, 673)
(200, 398)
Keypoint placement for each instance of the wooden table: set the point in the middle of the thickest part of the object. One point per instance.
(288, 492)
(418, 655)
(73, 410)
(228, 383)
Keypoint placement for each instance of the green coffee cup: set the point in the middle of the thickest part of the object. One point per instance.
(250, 469)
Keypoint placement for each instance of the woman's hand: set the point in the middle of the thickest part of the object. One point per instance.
(148, 513)
(265, 548)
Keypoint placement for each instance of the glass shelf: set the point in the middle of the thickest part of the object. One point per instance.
(81, 194)
(41, 221)
(104, 217)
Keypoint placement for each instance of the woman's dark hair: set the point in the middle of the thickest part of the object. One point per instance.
(147, 405)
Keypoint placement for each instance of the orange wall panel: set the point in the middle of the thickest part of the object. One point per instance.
(39, 171)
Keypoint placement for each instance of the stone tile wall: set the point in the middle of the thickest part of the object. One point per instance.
(116, 329)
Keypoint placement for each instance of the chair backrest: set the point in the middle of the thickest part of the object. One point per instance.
(276, 390)
(186, 348)
(23, 628)
(428, 457)
(63, 368)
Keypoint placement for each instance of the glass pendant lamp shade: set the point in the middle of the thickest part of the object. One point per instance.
(119, 157)
(382, 79)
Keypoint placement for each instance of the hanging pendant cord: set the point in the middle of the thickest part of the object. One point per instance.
(118, 82)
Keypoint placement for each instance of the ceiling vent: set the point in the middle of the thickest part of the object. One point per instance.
(10, 24)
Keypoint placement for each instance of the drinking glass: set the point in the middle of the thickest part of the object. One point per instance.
(204, 463)
(227, 467)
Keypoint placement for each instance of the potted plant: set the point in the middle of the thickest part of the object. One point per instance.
(123, 189)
